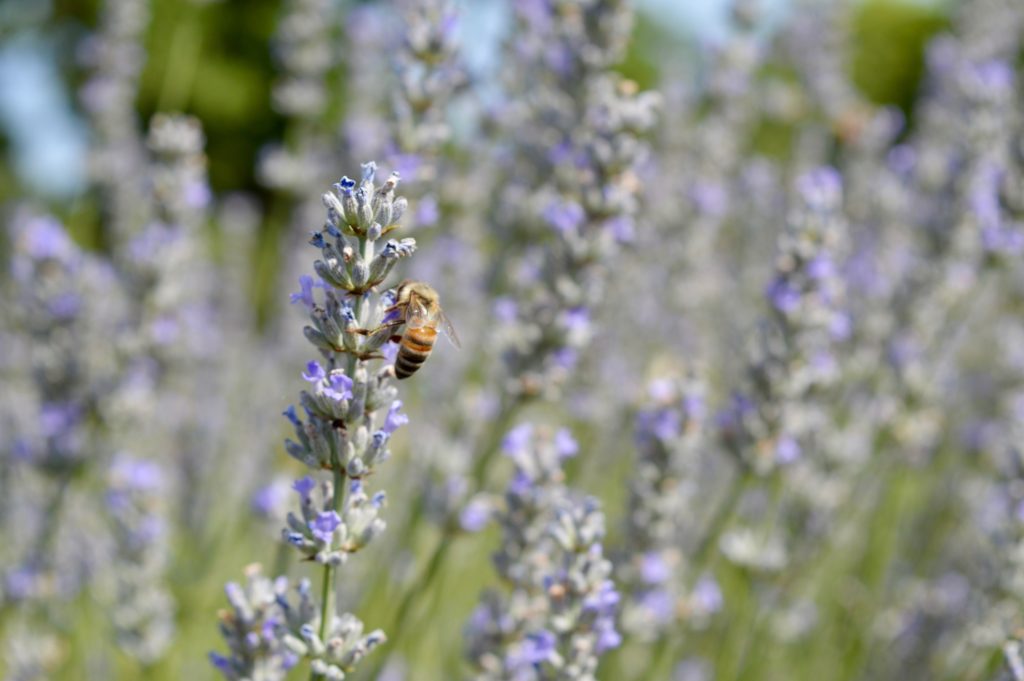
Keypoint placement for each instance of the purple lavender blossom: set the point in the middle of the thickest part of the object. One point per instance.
(44, 238)
(784, 296)
(577, 320)
(324, 526)
(517, 439)
(505, 309)
(564, 216)
(787, 450)
(658, 604)
(565, 444)
(535, 649)
(305, 294)
(304, 486)
(821, 188)
(339, 387)
(664, 424)
(270, 501)
(654, 569)
(475, 515)
(707, 596)
(710, 198)
(314, 372)
(395, 419)
(622, 228)
(428, 213)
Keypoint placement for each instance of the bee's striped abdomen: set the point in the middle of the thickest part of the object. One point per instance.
(414, 350)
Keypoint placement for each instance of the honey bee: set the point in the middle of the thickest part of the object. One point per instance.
(419, 307)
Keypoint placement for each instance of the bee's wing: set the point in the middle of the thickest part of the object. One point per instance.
(449, 330)
(418, 316)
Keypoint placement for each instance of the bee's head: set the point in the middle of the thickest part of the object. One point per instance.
(409, 288)
(402, 292)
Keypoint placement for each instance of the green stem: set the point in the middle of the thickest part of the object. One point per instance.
(339, 486)
(326, 590)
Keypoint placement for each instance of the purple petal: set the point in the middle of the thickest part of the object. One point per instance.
(314, 372)
(394, 419)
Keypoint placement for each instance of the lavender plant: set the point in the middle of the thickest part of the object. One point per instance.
(662, 556)
(593, 195)
(792, 352)
(429, 74)
(559, 615)
(142, 608)
(116, 56)
(57, 437)
(579, 180)
(69, 372)
(305, 56)
(350, 413)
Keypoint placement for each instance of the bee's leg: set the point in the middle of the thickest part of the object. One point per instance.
(396, 339)
(380, 327)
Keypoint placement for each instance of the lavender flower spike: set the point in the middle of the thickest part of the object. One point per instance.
(143, 610)
(792, 349)
(559, 616)
(349, 411)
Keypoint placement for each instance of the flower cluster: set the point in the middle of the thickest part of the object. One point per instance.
(141, 608)
(583, 130)
(268, 631)
(116, 56)
(305, 55)
(429, 75)
(792, 351)
(659, 555)
(53, 281)
(559, 616)
(329, 536)
(303, 50)
(164, 261)
(253, 629)
(180, 189)
(349, 415)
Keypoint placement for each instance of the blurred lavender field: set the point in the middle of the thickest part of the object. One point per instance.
(738, 288)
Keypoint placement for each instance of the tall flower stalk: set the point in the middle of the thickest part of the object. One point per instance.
(305, 54)
(57, 437)
(117, 56)
(429, 74)
(662, 559)
(70, 366)
(793, 352)
(575, 186)
(349, 413)
(142, 609)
